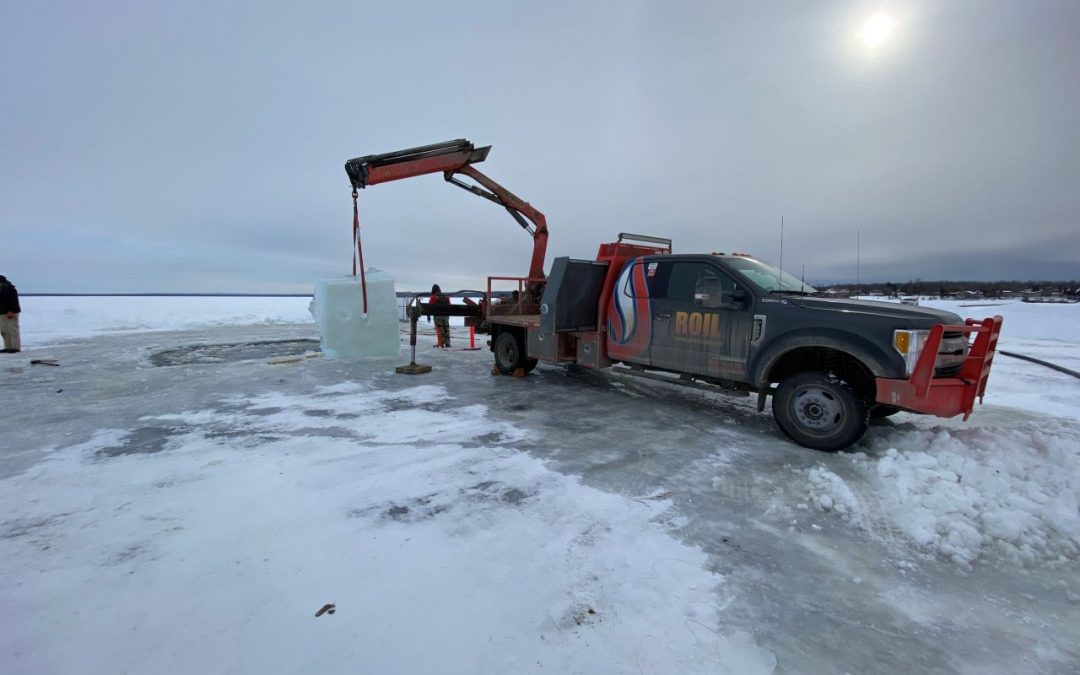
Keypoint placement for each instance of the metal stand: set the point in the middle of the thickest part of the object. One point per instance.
(413, 368)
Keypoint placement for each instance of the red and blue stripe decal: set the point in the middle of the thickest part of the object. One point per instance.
(630, 314)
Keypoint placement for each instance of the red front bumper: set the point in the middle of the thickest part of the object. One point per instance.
(946, 396)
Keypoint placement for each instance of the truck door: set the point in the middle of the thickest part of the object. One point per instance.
(701, 320)
(629, 315)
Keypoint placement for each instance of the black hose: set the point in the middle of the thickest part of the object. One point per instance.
(1041, 363)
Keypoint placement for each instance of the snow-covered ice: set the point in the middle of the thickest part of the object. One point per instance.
(172, 502)
(206, 539)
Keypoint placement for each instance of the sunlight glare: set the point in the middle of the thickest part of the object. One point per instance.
(877, 30)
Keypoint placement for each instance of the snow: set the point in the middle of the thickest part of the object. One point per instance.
(180, 516)
(47, 319)
(963, 493)
(439, 557)
(831, 493)
(349, 329)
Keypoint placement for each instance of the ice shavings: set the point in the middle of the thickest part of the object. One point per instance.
(966, 494)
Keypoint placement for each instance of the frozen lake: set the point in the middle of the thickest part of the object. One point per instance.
(173, 503)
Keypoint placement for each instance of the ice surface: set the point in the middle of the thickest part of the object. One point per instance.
(345, 331)
(203, 540)
(192, 517)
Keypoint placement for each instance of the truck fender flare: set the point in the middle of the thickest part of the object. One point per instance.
(869, 354)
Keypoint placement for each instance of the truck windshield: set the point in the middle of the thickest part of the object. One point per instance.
(768, 277)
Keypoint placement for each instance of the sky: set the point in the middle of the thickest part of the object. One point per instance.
(199, 146)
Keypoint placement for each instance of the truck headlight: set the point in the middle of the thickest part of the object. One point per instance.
(910, 344)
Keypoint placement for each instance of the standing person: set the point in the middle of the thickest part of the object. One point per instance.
(442, 323)
(9, 316)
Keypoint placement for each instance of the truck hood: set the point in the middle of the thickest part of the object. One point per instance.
(916, 317)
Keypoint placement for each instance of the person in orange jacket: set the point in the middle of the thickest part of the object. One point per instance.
(442, 323)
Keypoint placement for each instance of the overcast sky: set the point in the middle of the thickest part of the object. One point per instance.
(199, 146)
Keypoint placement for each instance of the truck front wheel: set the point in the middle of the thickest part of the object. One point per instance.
(819, 410)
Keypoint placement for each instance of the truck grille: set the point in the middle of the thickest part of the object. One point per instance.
(951, 354)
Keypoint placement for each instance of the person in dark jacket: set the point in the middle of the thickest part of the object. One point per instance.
(442, 323)
(9, 316)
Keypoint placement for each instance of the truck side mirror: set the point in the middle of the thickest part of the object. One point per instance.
(735, 299)
(709, 293)
(708, 300)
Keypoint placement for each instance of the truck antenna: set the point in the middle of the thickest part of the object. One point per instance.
(858, 260)
(780, 278)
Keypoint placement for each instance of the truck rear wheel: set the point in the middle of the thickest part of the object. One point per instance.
(819, 410)
(510, 353)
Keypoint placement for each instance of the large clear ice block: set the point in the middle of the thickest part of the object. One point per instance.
(344, 330)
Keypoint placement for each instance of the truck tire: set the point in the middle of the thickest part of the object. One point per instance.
(509, 352)
(819, 410)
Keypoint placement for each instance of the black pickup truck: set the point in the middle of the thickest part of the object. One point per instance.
(740, 324)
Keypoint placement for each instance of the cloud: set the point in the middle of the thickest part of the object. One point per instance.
(200, 147)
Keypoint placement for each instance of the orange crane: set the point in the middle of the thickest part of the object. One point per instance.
(452, 159)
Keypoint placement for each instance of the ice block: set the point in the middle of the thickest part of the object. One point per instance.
(345, 332)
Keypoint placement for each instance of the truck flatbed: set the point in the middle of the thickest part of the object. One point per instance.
(522, 320)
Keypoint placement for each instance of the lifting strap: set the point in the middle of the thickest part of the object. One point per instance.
(359, 250)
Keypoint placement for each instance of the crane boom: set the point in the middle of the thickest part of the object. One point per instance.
(451, 159)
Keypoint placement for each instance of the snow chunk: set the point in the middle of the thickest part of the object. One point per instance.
(830, 493)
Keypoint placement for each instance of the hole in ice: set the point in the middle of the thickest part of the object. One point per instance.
(226, 353)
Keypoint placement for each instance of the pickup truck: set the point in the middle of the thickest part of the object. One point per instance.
(740, 324)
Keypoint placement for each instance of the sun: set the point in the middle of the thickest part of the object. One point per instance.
(877, 30)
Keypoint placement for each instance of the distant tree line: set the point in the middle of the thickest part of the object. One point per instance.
(987, 289)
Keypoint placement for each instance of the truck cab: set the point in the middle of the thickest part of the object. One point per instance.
(682, 313)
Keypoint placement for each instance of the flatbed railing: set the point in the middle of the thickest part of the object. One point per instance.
(519, 302)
